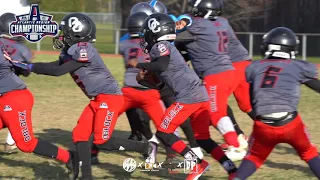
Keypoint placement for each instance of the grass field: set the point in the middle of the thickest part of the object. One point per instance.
(59, 103)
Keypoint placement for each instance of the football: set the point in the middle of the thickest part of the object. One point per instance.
(152, 78)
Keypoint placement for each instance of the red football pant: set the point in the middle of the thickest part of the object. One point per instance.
(264, 138)
(147, 100)
(15, 114)
(219, 87)
(99, 117)
(177, 113)
(242, 87)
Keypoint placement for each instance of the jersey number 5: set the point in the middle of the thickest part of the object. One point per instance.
(270, 77)
(223, 41)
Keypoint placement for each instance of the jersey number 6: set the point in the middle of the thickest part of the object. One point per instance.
(270, 77)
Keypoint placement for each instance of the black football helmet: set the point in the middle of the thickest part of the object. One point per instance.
(280, 42)
(157, 27)
(208, 9)
(142, 7)
(158, 6)
(5, 21)
(135, 22)
(75, 28)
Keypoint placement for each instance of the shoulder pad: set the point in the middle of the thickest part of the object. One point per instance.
(163, 49)
(82, 52)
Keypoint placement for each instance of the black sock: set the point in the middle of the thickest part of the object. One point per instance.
(187, 129)
(116, 144)
(144, 126)
(314, 165)
(84, 151)
(94, 150)
(234, 122)
(45, 148)
(252, 115)
(177, 145)
(134, 121)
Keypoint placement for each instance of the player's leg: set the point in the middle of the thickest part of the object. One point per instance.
(144, 127)
(261, 142)
(234, 122)
(17, 117)
(174, 116)
(219, 87)
(135, 124)
(168, 98)
(239, 132)
(10, 145)
(154, 107)
(105, 118)
(200, 124)
(80, 135)
(296, 134)
(242, 138)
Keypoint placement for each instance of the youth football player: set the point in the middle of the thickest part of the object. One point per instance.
(210, 59)
(275, 82)
(82, 61)
(191, 98)
(16, 103)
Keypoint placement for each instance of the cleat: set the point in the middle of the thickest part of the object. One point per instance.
(235, 154)
(73, 165)
(148, 150)
(152, 156)
(243, 141)
(9, 149)
(198, 170)
(171, 163)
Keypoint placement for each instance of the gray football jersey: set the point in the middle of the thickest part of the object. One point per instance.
(94, 77)
(130, 49)
(183, 81)
(9, 81)
(209, 53)
(17, 51)
(236, 50)
(275, 84)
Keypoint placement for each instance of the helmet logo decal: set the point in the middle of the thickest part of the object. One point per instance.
(153, 25)
(75, 24)
(197, 3)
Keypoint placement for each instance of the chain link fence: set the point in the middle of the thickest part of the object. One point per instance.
(109, 32)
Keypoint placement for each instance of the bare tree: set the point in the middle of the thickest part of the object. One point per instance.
(240, 12)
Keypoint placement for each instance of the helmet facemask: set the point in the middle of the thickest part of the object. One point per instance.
(143, 42)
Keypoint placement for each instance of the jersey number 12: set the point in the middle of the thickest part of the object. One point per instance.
(223, 41)
(270, 77)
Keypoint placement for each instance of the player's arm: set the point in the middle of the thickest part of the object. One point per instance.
(309, 75)
(160, 64)
(184, 37)
(144, 79)
(54, 69)
(313, 84)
